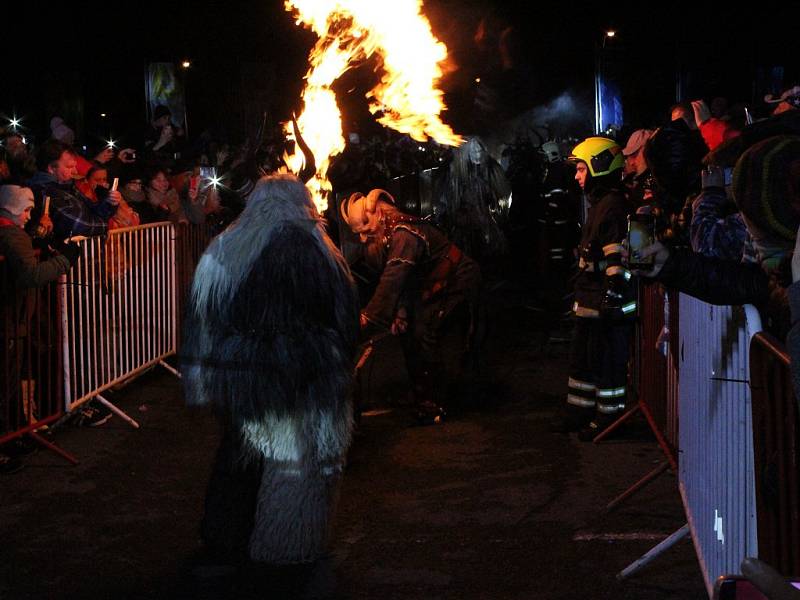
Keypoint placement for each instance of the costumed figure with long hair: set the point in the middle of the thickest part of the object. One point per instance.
(475, 201)
(428, 290)
(270, 339)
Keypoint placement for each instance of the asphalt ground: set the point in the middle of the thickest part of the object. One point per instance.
(489, 504)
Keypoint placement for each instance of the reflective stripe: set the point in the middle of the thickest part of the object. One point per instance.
(611, 393)
(578, 401)
(556, 249)
(629, 308)
(577, 384)
(582, 311)
(613, 249)
(553, 204)
(610, 409)
(618, 270)
(560, 222)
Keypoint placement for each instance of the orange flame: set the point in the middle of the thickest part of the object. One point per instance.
(351, 31)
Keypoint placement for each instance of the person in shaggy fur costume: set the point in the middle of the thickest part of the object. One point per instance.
(269, 342)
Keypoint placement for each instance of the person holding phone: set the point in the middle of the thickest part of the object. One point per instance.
(604, 296)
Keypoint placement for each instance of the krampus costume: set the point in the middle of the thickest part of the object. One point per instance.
(270, 338)
(428, 287)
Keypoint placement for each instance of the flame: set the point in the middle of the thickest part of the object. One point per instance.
(407, 97)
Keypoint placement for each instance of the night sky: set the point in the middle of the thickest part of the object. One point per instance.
(86, 58)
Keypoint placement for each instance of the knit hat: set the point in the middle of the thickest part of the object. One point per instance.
(61, 132)
(15, 199)
(766, 186)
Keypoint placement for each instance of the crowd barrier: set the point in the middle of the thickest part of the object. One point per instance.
(716, 434)
(30, 359)
(119, 311)
(692, 381)
(114, 315)
(776, 455)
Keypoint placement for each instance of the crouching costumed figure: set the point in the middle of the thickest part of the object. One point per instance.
(269, 343)
(428, 290)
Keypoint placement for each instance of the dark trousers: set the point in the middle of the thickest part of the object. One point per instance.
(598, 371)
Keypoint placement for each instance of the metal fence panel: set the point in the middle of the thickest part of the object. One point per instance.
(120, 309)
(715, 433)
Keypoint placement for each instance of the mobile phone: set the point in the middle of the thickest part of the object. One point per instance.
(208, 173)
(641, 233)
(737, 587)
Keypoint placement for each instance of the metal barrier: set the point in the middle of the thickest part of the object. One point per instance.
(30, 366)
(776, 433)
(716, 441)
(192, 241)
(119, 311)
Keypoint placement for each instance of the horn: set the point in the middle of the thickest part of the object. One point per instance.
(344, 207)
(374, 196)
(310, 166)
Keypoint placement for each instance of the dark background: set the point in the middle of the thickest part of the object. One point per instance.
(82, 59)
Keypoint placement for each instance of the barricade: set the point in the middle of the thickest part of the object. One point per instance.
(191, 241)
(776, 433)
(716, 440)
(30, 361)
(693, 385)
(119, 311)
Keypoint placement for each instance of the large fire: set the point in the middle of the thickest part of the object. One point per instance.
(407, 97)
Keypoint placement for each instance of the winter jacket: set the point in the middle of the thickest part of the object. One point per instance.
(601, 251)
(713, 232)
(71, 212)
(715, 131)
(727, 282)
(25, 269)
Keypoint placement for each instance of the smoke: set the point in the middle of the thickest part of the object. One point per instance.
(570, 113)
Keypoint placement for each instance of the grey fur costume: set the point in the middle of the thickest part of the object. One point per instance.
(269, 342)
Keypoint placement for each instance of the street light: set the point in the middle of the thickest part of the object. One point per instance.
(186, 64)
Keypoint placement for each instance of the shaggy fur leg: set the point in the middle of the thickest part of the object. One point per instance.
(295, 510)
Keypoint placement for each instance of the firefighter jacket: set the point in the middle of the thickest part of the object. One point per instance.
(423, 268)
(603, 284)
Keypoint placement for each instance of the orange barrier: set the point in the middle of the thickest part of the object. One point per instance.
(776, 450)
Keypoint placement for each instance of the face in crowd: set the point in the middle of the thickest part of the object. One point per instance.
(159, 182)
(98, 177)
(581, 174)
(65, 169)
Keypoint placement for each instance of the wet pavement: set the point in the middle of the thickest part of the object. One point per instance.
(488, 504)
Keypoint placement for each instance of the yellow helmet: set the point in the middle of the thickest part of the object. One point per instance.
(600, 154)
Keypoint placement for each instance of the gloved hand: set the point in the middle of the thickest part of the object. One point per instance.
(615, 304)
(71, 251)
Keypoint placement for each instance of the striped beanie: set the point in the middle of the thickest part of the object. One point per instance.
(766, 186)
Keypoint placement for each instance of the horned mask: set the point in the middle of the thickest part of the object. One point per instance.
(362, 213)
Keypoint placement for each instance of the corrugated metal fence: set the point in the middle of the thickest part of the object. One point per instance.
(716, 433)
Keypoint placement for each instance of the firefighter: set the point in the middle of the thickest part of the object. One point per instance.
(604, 297)
(427, 293)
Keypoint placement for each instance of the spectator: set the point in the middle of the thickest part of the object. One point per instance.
(717, 228)
(164, 141)
(95, 186)
(713, 129)
(72, 213)
(788, 100)
(25, 272)
(61, 132)
(21, 164)
(637, 174)
(162, 198)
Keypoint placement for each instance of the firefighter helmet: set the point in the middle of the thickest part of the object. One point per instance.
(601, 155)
